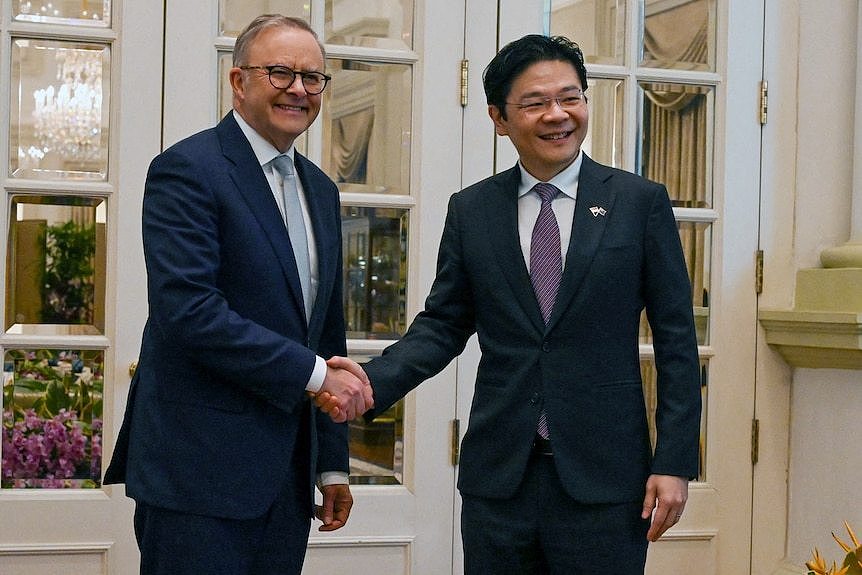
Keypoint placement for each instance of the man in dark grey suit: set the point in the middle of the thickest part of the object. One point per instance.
(220, 447)
(551, 263)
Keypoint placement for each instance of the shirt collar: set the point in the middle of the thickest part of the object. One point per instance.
(263, 150)
(566, 181)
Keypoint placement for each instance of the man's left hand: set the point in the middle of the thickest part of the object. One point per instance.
(337, 502)
(666, 494)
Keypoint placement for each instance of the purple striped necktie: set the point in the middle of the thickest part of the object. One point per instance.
(546, 266)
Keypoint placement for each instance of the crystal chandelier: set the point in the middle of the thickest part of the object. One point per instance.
(67, 117)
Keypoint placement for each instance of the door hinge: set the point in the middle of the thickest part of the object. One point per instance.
(755, 441)
(764, 101)
(465, 77)
(758, 272)
(456, 441)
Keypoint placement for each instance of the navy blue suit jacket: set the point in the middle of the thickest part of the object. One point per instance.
(217, 404)
(584, 366)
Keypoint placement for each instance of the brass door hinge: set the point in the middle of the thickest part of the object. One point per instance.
(465, 77)
(764, 101)
(456, 441)
(755, 441)
(758, 272)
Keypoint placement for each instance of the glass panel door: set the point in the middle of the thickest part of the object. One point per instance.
(72, 259)
(666, 102)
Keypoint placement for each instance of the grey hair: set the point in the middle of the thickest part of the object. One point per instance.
(261, 23)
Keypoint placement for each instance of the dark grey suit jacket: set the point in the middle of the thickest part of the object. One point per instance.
(217, 406)
(584, 366)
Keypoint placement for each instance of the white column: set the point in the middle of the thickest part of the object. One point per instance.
(850, 254)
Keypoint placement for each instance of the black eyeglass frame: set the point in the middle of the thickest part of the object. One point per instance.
(293, 74)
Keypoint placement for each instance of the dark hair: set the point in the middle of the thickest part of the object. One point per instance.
(517, 56)
(261, 23)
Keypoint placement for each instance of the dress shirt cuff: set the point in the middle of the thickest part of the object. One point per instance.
(332, 478)
(315, 382)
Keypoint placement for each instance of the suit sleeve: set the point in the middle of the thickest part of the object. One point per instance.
(333, 437)
(438, 334)
(669, 310)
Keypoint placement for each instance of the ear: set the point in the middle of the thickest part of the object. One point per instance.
(500, 123)
(237, 83)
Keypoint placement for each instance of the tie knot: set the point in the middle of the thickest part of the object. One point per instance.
(546, 191)
(283, 165)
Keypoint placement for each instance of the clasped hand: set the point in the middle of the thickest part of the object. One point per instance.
(346, 391)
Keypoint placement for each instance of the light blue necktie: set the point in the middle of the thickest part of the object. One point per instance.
(295, 226)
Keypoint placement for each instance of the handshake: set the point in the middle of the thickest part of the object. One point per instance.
(346, 391)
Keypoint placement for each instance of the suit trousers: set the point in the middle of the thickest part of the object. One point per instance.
(541, 530)
(177, 543)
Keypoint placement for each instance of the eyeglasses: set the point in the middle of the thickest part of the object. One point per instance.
(568, 100)
(282, 77)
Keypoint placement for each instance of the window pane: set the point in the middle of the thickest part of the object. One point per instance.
(676, 141)
(375, 271)
(69, 12)
(235, 15)
(371, 23)
(52, 418)
(59, 110)
(598, 26)
(696, 238)
(648, 375)
(56, 258)
(377, 448)
(679, 35)
(604, 141)
(366, 126)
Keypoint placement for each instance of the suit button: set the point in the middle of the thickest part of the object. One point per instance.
(546, 347)
(535, 398)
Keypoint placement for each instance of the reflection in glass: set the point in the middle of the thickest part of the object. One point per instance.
(375, 271)
(235, 15)
(55, 269)
(676, 141)
(604, 141)
(372, 23)
(696, 238)
(648, 376)
(377, 448)
(679, 35)
(598, 26)
(52, 418)
(59, 110)
(366, 126)
(68, 12)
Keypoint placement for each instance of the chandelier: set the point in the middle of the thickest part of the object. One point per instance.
(61, 11)
(67, 117)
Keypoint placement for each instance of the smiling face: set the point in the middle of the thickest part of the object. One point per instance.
(278, 115)
(550, 139)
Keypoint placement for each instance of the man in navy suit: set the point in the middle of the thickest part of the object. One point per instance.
(551, 263)
(220, 446)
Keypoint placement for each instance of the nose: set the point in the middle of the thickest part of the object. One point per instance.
(554, 107)
(296, 85)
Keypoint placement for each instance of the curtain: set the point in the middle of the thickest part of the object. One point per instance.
(351, 136)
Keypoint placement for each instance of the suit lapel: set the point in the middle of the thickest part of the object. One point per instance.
(318, 211)
(502, 228)
(252, 185)
(587, 228)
